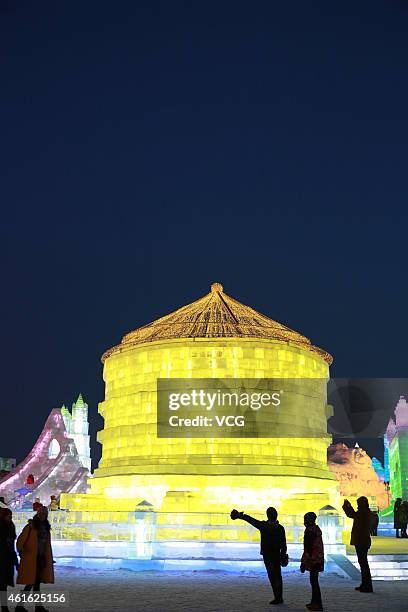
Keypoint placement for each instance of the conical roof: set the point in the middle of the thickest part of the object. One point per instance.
(80, 401)
(215, 315)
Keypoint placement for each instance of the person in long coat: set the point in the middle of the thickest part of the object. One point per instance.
(36, 560)
(397, 517)
(360, 539)
(8, 557)
(313, 558)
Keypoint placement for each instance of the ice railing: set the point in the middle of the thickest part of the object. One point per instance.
(150, 526)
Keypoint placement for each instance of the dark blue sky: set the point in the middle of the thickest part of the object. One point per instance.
(151, 148)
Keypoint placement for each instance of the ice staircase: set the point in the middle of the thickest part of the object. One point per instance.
(385, 567)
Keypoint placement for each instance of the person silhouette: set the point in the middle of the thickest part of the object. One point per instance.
(8, 557)
(36, 560)
(273, 547)
(313, 558)
(404, 519)
(397, 517)
(360, 539)
(374, 522)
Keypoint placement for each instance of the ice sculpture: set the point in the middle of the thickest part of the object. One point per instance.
(354, 470)
(59, 461)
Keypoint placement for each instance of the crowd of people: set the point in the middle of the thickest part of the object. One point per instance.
(275, 556)
(34, 562)
(400, 518)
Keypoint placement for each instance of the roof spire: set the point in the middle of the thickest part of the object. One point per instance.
(217, 288)
(80, 401)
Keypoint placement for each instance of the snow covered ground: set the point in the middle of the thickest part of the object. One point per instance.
(213, 591)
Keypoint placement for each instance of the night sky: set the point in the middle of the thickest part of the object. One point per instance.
(151, 148)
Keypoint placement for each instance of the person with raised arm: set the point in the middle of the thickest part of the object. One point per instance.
(360, 539)
(273, 548)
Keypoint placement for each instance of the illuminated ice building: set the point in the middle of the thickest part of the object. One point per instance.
(60, 460)
(214, 337)
(396, 445)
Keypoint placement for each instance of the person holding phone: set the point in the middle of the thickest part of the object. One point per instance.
(360, 539)
(273, 548)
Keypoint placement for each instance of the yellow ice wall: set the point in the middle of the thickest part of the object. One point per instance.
(196, 474)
